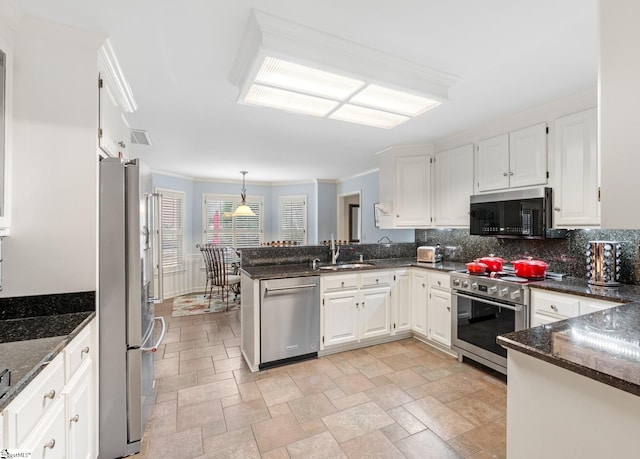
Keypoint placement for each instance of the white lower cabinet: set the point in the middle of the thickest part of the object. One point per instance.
(439, 316)
(353, 314)
(419, 297)
(548, 307)
(55, 415)
(401, 301)
(340, 318)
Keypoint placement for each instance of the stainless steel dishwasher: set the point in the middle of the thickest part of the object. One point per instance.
(289, 320)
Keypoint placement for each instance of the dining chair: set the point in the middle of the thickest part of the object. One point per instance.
(208, 266)
(225, 281)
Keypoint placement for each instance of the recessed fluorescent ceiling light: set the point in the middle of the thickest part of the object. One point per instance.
(395, 101)
(289, 101)
(284, 65)
(287, 75)
(368, 116)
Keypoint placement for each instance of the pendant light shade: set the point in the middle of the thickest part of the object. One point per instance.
(243, 210)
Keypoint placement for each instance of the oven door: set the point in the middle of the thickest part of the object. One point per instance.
(477, 322)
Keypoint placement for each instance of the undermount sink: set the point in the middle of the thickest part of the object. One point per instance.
(345, 266)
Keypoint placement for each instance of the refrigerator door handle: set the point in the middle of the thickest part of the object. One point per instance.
(156, 244)
(154, 348)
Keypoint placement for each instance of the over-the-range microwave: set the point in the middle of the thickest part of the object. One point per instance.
(513, 214)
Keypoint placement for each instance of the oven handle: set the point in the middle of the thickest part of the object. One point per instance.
(484, 300)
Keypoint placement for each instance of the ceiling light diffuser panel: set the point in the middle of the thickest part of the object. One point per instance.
(308, 80)
(349, 83)
(368, 116)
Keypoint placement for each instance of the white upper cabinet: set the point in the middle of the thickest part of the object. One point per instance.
(453, 178)
(114, 100)
(575, 196)
(492, 163)
(6, 97)
(413, 197)
(405, 187)
(513, 160)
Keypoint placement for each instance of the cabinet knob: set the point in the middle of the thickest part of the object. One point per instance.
(76, 418)
(50, 444)
(377, 281)
(448, 308)
(554, 307)
(342, 283)
(397, 215)
(505, 174)
(439, 283)
(423, 285)
(510, 173)
(557, 209)
(51, 394)
(363, 304)
(84, 351)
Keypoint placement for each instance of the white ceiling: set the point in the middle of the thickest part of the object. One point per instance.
(509, 55)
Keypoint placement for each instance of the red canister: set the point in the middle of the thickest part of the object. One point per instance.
(530, 268)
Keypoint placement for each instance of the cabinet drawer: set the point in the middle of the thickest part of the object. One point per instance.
(338, 282)
(77, 351)
(375, 279)
(34, 401)
(557, 305)
(437, 280)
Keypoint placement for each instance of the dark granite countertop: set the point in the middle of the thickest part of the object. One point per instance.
(623, 293)
(303, 269)
(603, 345)
(35, 329)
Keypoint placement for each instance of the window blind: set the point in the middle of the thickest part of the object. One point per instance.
(222, 228)
(172, 219)
(293, 219)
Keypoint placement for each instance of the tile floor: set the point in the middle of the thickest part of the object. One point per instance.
(394, 400)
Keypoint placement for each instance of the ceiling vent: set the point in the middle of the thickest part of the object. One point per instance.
(140, 137)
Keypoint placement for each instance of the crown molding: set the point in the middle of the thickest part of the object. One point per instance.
(359, 174)
(111, 71)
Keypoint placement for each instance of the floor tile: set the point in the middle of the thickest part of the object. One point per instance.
(180, 445)
(219, 442)
(426, 445)
(475, 410)
(351, 384)
(406, 378)
(210, 391)
(321, 446)
(373, 445)
(388, 396)
(278, 389)
(438, 417)
(276, 432)
(199, 414)
(356, 421)
(244, 414)
(311, 407)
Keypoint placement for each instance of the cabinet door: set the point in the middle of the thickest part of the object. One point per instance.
(439, 317)
(80, 413)
(340, 317)
(401, 301)
(48, 439)
(419, 293)
(528, 156)
(492, 163)
(112, 126)
(375, 308)
(575, 192)
(413, 197)
(453, 186)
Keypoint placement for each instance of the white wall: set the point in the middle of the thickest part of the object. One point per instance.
(53, 242)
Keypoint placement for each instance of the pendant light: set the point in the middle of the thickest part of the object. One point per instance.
(243, 209)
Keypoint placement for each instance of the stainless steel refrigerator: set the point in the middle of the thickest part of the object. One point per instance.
(127, 248)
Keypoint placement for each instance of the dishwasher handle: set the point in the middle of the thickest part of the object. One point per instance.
(289, 287)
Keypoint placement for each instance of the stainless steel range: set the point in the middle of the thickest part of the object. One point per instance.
(484, 307)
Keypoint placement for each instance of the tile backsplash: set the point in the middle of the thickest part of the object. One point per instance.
(563, 255)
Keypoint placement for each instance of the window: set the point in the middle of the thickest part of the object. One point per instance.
(220, 227)
(293, 219)
(172, 222)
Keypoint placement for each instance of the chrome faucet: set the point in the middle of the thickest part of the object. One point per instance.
(384, 237)
(314, 263)
(335, 251)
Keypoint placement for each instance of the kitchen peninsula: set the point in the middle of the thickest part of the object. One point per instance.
(574, 385)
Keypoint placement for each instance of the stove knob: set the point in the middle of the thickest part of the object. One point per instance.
(515, 295)
(493, 289)
(456, 282)
(474, 286)
(503, 292)
(465, 284)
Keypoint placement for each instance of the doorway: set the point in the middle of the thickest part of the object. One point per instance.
(350, 218)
